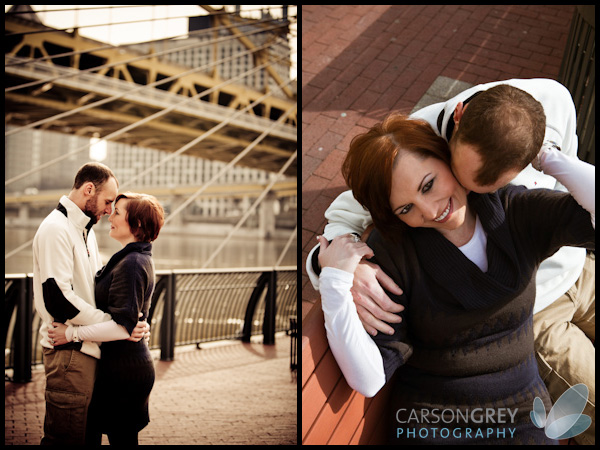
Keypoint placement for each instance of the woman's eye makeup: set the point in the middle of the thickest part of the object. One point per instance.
(405, 210)
(426, 188)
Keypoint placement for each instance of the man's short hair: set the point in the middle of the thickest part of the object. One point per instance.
(95, 172)
(507, 127)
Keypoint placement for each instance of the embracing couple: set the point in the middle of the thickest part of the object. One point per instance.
(99, 371)
(485, 302)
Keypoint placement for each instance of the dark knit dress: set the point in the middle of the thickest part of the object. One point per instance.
(466, 342)
(125, 370)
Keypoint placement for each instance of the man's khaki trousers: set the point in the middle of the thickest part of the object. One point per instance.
(70, 377)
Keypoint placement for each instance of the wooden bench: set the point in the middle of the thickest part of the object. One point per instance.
(333, 413)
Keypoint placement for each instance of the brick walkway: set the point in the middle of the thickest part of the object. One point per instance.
(361, 62)
(231, 394)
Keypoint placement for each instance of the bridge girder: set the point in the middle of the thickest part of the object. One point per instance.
(168, 133)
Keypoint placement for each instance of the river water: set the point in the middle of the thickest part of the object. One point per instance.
(173, 251)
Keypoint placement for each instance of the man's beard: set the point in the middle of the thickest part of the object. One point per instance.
(89, 209)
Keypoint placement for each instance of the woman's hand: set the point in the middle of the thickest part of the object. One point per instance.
(57, 335)
(141, 330)
(343, 253)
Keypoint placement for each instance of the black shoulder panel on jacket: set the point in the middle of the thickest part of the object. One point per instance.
(57, 305)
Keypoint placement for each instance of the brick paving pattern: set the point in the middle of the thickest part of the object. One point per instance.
(232, 394)
(361, 62)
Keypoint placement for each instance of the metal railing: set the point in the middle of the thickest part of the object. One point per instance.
(294, 343)
(188, 307)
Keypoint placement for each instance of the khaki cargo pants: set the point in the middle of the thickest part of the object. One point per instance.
(70, 377)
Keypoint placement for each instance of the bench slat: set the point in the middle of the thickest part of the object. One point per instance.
(333, 413)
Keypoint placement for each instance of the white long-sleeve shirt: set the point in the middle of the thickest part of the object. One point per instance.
(98, 332)
(355, 352)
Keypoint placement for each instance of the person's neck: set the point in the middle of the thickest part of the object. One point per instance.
(124, 242)
(77, 199)
(464, 233)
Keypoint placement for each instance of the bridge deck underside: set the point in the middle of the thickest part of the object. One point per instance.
(169, 132)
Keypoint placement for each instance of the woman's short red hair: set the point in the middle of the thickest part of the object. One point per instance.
(145, 215)
(371, 158)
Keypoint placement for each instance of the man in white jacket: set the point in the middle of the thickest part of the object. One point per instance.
(561, 279)
(65, 262)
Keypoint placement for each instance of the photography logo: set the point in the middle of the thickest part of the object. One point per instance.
(565, 419)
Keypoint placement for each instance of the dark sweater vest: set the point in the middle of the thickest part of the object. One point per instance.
(466, 338)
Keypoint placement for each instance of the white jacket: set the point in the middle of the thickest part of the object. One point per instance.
(64, 268)
(556, 274)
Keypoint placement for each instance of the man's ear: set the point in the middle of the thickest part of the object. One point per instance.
(458, 112)
(89, 189)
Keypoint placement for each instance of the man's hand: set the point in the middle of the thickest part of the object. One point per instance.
(141, 330)
(373, 305)
(547, 147)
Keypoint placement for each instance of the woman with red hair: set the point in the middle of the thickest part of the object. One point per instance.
(467, 265)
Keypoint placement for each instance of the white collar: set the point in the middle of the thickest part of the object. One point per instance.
(75, 214)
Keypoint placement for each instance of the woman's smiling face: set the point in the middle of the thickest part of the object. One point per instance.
(426, 194)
